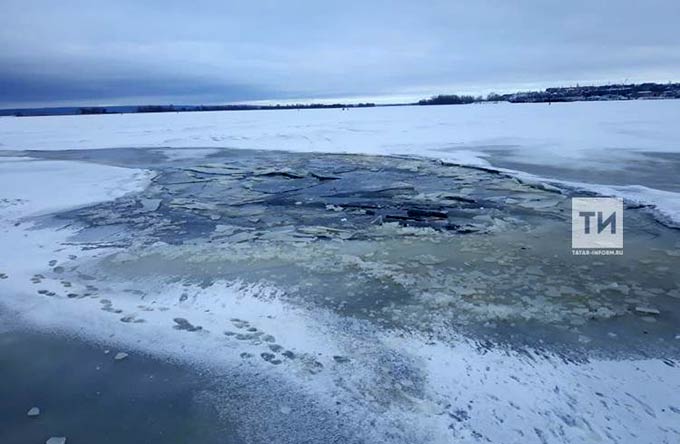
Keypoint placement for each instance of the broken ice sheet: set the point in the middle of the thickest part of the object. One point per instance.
(403, 243)
(357, 288)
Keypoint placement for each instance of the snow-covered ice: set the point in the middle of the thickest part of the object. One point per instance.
(595, 132)
(30, 187)
(275, 265)
(603, 138)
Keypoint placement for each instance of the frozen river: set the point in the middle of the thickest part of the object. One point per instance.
(631, 148)
(322, 291)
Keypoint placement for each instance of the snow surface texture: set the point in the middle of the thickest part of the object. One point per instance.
(30, 187)
(396, 386)
(603, 136)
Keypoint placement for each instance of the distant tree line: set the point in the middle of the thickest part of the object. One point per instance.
(89, 110)
(92, 110)
(640, 91)
(245, 107)
(576, 93)
(449, 99)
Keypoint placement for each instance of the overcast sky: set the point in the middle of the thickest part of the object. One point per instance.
(58, 52)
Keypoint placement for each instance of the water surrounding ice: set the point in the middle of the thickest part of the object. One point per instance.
(412, 300)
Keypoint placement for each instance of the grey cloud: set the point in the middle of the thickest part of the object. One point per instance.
(215, 51)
